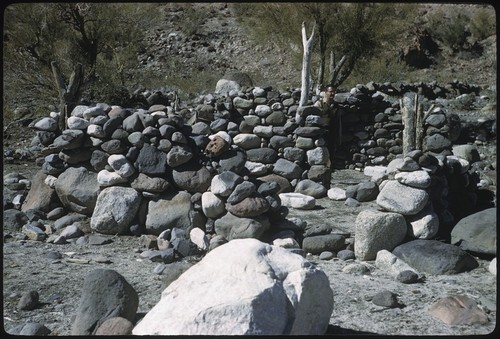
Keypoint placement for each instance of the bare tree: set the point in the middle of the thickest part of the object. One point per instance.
(307, 44)
(68, 95)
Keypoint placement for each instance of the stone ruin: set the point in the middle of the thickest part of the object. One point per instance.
(230, 167)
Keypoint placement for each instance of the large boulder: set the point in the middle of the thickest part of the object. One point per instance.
(403, 199)
(171, 209)
(105, 295)
(477, 232)
(41, 195)
(377, 231)
(77, 189)
(255, 289)
(115, 208)
(435, 257)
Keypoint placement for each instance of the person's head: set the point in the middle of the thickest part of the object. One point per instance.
(329, 93)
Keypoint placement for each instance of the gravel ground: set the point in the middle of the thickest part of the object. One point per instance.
(27, 265)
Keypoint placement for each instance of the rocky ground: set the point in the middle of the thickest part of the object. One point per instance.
(57, 272)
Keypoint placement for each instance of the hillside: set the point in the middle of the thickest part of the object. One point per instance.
(219, 44)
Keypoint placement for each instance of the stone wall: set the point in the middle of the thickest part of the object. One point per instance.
(221, 165)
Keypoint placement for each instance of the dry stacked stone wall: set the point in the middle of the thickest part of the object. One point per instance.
(220, 164)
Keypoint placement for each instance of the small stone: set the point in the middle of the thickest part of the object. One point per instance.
(346, 255)
(115, 326)
(385, 299)
(326, 255)
(29, 301)
(407, 277)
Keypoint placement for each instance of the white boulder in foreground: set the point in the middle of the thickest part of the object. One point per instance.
(244, 287)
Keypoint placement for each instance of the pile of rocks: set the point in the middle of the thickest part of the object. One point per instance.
(372, 121)
(232, 166)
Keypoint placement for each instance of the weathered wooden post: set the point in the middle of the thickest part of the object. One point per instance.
(306, 69)
(419, 131)
(413, 117)
(408, 113)
(68, 95)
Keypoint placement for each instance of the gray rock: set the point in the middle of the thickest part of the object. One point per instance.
(232, 227)
(105, 295)
(30, 329)
(297, 200)
(13, 219)
(233, 160)
(424, 224)
(145, 183)
(77, 189)
(192, 178)
(179, 155)
(385, 299)
(366, 191)
(477, 232)
(264, 155)
(212, 205)
(69, 139)
(75, 156)
(114, 146)
(326, 255)
(46, 124)
(287, 169)
(436, 143)
(399, 198)
(151, 161)
(279, 141)
(106, 178)
(77, 123)
(312, 188)
(417, 178)
(241, 191)
(467, 152)
(377, 231)
(68, 220)
(318, 156)
(224, 183)
(40, 195)
(133, 123)
(29, 300)
(115, 208)
(170, 210)
(121, 165)
(346, 255)
(173, 271)
(435, 257)
(56, 213)
(320, 243)
(407, 277)
(112, 125)
(294, 154)
(99, 160)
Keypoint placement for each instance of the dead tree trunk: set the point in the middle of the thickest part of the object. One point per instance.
(335, 69)
(413, 116)
(68, 95)
(306, 68)
(408, 112)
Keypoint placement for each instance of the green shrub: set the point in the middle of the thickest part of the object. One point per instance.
(452, 32)
(483, 24)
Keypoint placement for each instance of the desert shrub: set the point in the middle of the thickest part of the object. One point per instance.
(356, 30)
(483, 24)
(104, 37)
(451, 31)
(381, 68)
